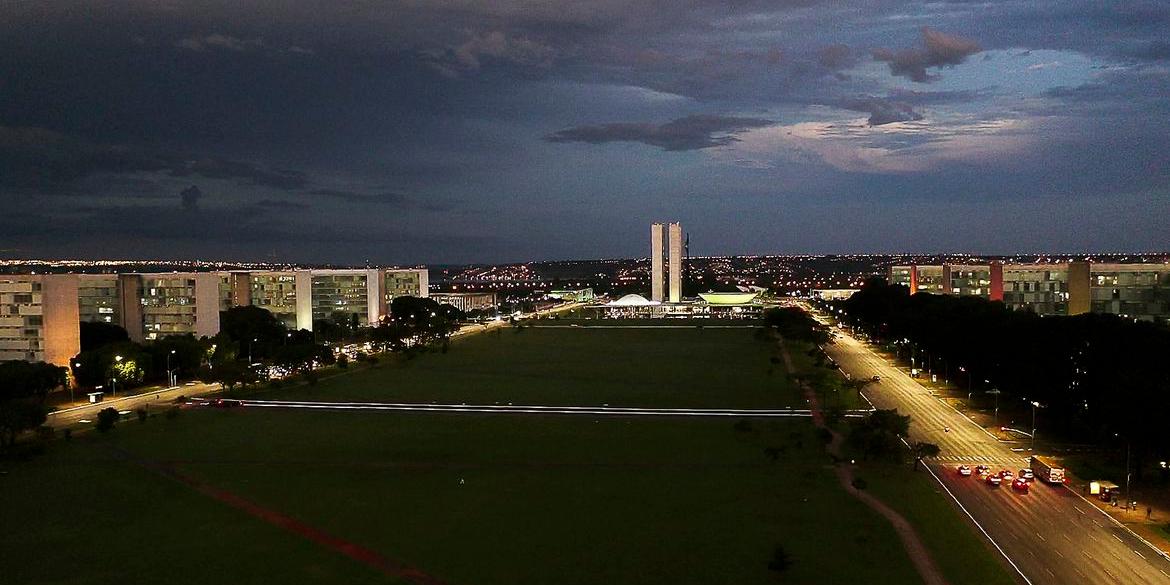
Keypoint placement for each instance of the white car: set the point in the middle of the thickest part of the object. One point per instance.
(1027, 474)
(965, 470)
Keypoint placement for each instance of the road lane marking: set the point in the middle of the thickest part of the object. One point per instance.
(1066, 537)
(1058, 553)
(1098, 524)
(1041, 537)
(1118, 539)
(978, 525)
(1139, 554)
(1078, 509)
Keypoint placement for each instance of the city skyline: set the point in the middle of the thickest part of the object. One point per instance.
(497, 132)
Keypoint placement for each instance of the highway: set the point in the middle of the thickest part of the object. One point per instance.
(1049, 535)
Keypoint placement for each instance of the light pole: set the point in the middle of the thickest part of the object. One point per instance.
(76, 366)
(170, 376)
(1035, 405)
(1128, 498)
(250, 352)
(114, 378)
(995, 392)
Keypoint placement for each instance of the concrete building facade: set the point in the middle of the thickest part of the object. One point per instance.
(39, 318)
(466, 301)
(657, 262)
(666, 260)
(1137, 291)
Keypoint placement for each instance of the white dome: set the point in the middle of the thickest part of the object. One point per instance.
(633, 300)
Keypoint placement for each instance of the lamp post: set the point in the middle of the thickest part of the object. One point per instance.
(76, 366)
(250, 351)
(1035, 405)
(995, 392)
(114, 378)
(1128, 497)
(170, 376)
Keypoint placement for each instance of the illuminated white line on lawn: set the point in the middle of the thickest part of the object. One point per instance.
(533, 409)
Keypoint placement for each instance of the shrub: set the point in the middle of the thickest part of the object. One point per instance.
(67, 434)
(173, 412)
(343, 361)
(859, 483)
(141, 414)
(45, 432)
(743, 426)
(106, 419)
(780, 560)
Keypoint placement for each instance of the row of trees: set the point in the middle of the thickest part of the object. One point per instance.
(1094, 376)
(252, 335)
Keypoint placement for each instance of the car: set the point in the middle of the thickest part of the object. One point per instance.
(875, 379)
(993, 480)
(1006, 475)
(982, 470)
(965, 470)
(227, 403)
(1020, 485)
(1027, 474)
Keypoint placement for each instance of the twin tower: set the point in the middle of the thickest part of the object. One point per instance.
(666, 252)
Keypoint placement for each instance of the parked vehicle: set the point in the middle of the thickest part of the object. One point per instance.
(1048, 471)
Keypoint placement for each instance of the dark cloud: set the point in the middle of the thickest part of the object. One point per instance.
(52, 162)
(689, 133)
(836, 57)
(190, 198)
(388, 198)
(938, 50)
(883, 111)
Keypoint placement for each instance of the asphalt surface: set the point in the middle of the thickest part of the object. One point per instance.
(153, 399)
(1050, 535)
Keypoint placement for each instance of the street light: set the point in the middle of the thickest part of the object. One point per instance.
(1035, 405)
(170, 376)
(250, 352)
(995, 392)
(76, 366)
(114, 378)
(1128, 497)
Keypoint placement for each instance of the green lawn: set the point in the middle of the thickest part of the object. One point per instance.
(965, 557)
(686, 368)
(484, 499)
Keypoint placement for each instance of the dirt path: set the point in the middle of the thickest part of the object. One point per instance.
(919, 555)
(352, 550)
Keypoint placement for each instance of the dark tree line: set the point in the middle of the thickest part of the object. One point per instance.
(1095, 375)
(23, 387)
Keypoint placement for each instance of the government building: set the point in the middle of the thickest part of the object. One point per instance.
(40, 315)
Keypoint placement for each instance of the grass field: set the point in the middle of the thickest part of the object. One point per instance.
(685, 368)
(478, 499)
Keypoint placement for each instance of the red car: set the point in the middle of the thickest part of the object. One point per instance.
(965, 470)
(1020, 485)
(993, 480)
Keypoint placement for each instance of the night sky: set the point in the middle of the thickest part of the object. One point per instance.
(490, 131)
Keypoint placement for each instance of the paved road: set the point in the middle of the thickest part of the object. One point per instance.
(71, 416)
(1050, 534)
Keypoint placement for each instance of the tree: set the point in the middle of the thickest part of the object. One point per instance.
(254, 330)
(23, 387)
(922, 450)
(107, 418)
(97, 334)
(878, 436)
(780, 560)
